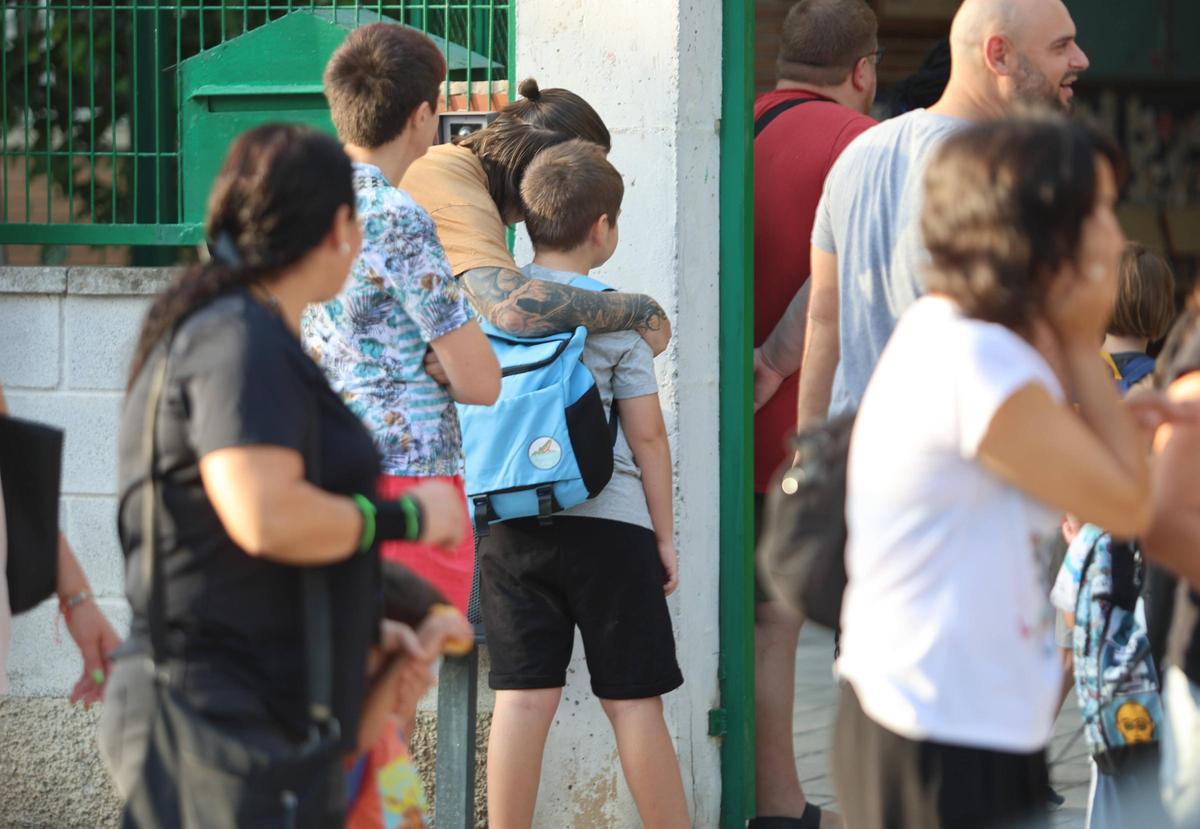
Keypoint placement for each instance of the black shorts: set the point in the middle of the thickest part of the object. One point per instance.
(538, 582)
(885, 781)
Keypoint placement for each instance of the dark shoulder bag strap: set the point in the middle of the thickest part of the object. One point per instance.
(763, 121)
(318, 627)
(151, 572)
(318, 622)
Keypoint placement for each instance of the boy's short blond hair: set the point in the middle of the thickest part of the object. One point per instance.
(1145, 306)
(565, 190)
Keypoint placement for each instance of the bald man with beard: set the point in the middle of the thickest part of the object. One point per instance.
(867, 253)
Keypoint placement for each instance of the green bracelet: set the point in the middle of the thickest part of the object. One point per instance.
(412, 518)
(368, 529)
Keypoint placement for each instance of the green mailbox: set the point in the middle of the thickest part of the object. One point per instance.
(271, 73)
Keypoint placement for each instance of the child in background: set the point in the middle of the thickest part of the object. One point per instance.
(1144, 311)
(383, 788)
(606, 565)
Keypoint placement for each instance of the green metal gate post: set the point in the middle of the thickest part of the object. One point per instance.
(454, 795)
(736, 665)
(149, 60)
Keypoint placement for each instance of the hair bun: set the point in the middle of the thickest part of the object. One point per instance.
(528, 89)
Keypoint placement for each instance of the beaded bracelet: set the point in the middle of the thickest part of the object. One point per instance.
(367, 538)
(412, 517)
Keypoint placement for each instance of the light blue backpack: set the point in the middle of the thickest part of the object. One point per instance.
(546, 444)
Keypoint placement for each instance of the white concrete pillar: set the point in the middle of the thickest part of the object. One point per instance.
(653, 72)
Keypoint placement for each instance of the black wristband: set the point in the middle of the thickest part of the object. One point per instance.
(402, 519)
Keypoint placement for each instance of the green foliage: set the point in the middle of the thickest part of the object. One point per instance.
(81, 82)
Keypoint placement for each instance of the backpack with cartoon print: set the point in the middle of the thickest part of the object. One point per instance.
(1115, 677)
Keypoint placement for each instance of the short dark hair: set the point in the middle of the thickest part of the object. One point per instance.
(1004, 208)
(377, 78)
(822, 40)
(1145, 295)
(566, 189)
(541, 119)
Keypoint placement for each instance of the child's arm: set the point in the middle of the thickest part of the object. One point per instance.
(642, 421)
(400, 672)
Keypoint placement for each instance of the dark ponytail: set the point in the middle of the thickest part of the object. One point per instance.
(273, 201)
(540, 119)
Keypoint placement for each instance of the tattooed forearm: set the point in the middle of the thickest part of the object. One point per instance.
(534, 307)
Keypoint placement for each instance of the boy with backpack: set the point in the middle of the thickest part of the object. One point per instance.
(1100, 586)
(605, 565)
(1143, 315)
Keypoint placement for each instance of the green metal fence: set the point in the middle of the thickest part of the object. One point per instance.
(90, 111)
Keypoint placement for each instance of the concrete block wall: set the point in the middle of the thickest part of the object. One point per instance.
(66, 337)
(653, 73)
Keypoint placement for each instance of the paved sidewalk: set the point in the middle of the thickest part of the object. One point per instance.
(816, 702)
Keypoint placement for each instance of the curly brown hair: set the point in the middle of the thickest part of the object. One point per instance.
(1005, 204)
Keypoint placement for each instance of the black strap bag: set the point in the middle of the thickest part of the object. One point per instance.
(202, 773)
(30, 475)
(802, 547)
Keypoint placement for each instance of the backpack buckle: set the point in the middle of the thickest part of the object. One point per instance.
(481, 516)
(546, 505)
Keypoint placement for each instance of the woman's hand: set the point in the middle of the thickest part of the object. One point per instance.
(96, 640)
(444, 515)
(1079, 305)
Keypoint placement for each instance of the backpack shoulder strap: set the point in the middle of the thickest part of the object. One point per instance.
(589, 284)
(1083, 579)
(764, 120)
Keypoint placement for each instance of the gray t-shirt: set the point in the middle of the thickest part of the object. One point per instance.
(623, 366)
(869, 217)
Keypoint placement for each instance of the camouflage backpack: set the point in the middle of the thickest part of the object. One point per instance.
(1115, 677)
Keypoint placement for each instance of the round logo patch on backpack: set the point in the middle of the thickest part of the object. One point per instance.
(545, 452)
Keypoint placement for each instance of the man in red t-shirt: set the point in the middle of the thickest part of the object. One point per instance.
(827, 58)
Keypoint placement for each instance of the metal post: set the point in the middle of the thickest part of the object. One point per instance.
(149, 22)
(454, 799)
(735, 719)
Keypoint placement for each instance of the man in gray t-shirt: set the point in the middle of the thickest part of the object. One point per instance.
(869, 218)
(868, 257)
